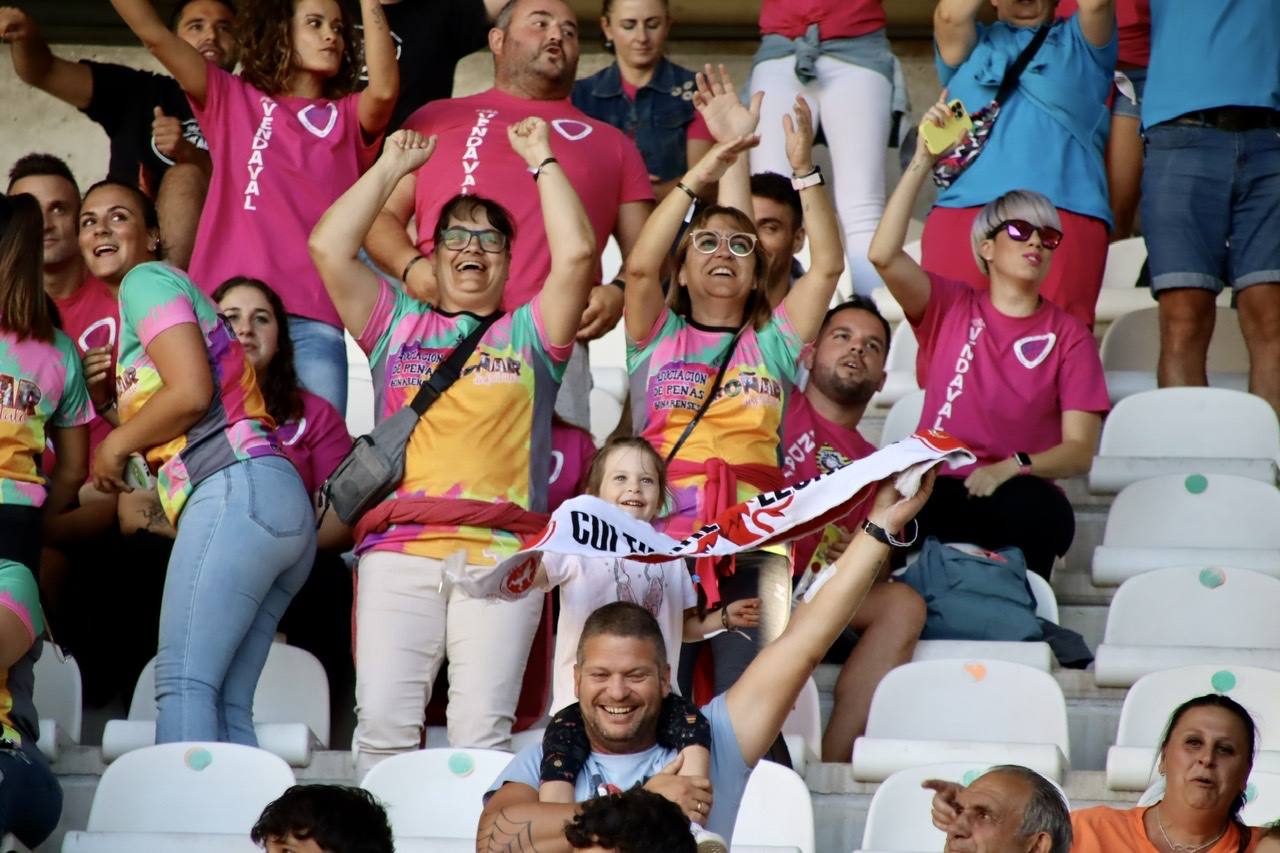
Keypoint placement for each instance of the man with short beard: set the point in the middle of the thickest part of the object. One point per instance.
(535, 57)
(820, 434)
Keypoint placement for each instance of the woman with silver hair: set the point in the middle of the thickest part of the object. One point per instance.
(1004, 370)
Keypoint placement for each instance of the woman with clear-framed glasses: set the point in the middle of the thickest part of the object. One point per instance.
(477, 464)
(721, 438)
(1004, 370)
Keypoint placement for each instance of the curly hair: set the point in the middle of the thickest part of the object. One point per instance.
(636, 821)
(281, 390)
(264, 32)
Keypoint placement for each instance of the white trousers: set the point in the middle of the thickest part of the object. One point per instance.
(852, 105)
(406, 624)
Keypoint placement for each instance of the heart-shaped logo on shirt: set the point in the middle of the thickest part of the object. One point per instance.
(977, 671)
(572, 129)
(1034, 349)
(305, 118)
(101, 333)
(302, 427)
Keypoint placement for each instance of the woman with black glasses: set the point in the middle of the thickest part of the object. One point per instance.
(1004, 370)
(717, 309)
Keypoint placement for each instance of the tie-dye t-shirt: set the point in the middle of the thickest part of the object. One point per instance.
(20, 596)
(155, 297)
(487, 438)
(673, 369)
(41, 386)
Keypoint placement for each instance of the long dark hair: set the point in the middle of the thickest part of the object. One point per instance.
(24, 308)
(1231, 706)
(266, 48)
(757, 310)
(279, 383)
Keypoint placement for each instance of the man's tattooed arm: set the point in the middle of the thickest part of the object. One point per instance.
(514, 821)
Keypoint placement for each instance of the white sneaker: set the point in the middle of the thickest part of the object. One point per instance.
(709, 842)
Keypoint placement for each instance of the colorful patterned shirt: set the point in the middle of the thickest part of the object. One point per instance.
(671, 371)
(487, 438)
(155, 297)
(20, 596)
(41, 386)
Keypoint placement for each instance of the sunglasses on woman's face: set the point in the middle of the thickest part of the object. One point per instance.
(739, 243)
(455, 239)
(1021, 230)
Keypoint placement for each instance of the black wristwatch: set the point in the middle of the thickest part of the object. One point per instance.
(1024, 461)
(884, 537)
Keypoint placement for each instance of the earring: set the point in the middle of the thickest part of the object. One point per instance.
(608, 45)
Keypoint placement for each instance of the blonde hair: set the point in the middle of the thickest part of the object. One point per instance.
(1015, 204)
(596, 471)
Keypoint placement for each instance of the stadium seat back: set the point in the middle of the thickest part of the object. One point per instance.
(435, 793)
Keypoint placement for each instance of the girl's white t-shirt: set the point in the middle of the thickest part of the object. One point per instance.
(586, 583)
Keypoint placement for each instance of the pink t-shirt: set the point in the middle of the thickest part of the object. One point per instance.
(473, 156)
(1133, 28)
(835, 18)
(278, 164)
(316, 442)
(813, 445)
(91, 318)
(571, 452)
(1000, 384)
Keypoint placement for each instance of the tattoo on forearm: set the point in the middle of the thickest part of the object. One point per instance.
(501, 834)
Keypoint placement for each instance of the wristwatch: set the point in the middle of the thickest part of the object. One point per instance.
(812, 179)
(1024, 462)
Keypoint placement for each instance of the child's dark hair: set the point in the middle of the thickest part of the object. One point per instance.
(595, 472)
(263, 29)
(281, 390)
(637, 821)
(339, 819)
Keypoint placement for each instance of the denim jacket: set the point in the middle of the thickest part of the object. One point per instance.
(657, 119)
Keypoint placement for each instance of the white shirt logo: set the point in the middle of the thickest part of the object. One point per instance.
(316, 131)
(572, 129)
(1034, 349)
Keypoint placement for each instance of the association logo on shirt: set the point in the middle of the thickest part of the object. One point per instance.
(572, 129)
(411, 365)
(18, 398)
(1034, 349)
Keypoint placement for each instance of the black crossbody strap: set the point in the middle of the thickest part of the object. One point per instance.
(450, 369)
(1010, 81)
(711, 395)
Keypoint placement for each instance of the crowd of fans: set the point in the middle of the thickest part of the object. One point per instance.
(175, 374)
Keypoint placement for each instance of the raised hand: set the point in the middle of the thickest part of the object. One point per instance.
(15, 24)
(717, 161)
(892, 511)
(406, 150)
(798, 127)
(166, 133)
(529, 139)
(938, 115)
(726, 116)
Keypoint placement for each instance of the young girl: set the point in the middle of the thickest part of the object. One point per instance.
(628, 473)
(287, 137)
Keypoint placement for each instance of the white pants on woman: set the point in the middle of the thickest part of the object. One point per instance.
(406, 624)
(852, 105)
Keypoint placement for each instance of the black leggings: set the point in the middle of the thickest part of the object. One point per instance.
(1026, 512)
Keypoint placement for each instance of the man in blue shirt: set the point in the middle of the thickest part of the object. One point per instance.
(622, 677)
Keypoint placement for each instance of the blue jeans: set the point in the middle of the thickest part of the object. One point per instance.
(30, 797)
(246, 542)
(320, 359)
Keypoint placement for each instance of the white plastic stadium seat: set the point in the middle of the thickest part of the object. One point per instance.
(435, 793)
(1131, 762)
(979, 711)
(359, 389)
(1131, 350)
(1118, 295)
(1196, 520)
(608, 393)
(776, 811)
(1262, 798)
(902, 419)
(802, 729)
(898, 818)
(1186, 431)
(899, 367)
(1175, 617)
(1031, 653)
(58, 700)
(290, 709)
(181, 796)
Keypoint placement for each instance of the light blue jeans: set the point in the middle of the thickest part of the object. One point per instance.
(246, 542)
(320, 359)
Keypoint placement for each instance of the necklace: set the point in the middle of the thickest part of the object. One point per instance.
(1186, 848)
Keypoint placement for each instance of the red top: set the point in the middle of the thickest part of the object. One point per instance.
(836, 19)
(1133, 28)
(91, 317)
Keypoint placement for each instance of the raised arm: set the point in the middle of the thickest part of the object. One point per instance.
(389, 244)
(904, 277)
(760, 700)
(955, 28)
(378, 99)
(36, 65)
(1097, 21)
(643, 268)
(569, 236)
(334, 244)
(807, 301)
(728, 118)
(182, 60)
